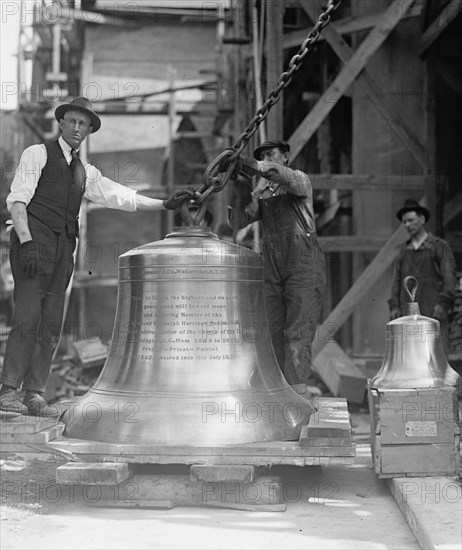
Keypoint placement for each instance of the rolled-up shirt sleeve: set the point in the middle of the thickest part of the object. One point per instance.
(106, 192)
(27, 175)
(293, 181)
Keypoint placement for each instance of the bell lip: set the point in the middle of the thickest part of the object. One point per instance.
(191, 231)
(412, 318)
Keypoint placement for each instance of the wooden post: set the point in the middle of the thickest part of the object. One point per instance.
(274, 33)
(433, 203)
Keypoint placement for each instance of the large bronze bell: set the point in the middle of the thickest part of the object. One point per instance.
(414, 355)
(190, 361)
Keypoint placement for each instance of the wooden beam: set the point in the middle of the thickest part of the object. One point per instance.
(452, 209)
(367, 182)
(345, 53)
(440, 24)
(347, 25)
(274, 63)
(391, 17)
(363, 284)
(351, 243)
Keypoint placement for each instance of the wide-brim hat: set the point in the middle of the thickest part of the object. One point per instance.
(83, 105)
(411, 205)
(270, 144)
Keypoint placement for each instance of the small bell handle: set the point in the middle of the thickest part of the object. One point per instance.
(411, 293)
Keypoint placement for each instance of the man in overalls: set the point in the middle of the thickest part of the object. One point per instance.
(294, 267)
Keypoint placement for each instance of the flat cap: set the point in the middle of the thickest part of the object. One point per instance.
(270, 144)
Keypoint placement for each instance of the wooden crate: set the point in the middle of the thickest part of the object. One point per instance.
(415, 432)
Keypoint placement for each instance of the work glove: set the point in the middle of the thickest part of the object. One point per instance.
(440, 313)
(29, 257)
(178, 198)
(394, 313)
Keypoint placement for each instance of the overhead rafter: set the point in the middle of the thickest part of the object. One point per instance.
(348, 74)
(347, 25)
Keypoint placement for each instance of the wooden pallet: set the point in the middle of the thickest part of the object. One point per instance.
(220, 476)
(21, 432)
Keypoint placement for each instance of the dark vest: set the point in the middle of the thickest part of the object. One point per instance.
(56, 201)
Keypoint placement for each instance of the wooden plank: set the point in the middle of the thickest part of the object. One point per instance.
(351, 243)
(440, 24)
(345, 53)
(339, 373)
(101, 473)
(205, 472)
(249, 507)
(180, 490)
(363, 284)
(43, 436)
(418, 459)
(348, 74)
(368, 182)
(428, 416)
(91, 353)
(6, 416)
(145, 504)
(27, 425)
(89, 454)
(164, 454)
(430, 497)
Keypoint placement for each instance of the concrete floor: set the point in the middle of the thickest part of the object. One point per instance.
(330, 508)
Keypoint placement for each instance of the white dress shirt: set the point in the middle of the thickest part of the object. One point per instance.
(99, 189)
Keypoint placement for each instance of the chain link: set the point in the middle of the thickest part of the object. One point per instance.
(213, 184)
(210, 180)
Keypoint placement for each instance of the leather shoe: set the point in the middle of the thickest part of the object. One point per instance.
(37, 405)
(10, 402)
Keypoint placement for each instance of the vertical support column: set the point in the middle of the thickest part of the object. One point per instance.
(274, 60)
(433, 203)
(81, 263)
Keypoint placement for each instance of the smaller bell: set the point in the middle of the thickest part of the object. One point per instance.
(414, 355)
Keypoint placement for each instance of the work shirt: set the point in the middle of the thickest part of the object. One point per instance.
(280, 180)
(99, 189)
(434, 267)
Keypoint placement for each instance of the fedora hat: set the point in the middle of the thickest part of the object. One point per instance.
(270, 144)
(84, 106)
(410, 205)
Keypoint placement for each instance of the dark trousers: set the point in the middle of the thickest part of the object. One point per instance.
(38, 308)
(295, 281)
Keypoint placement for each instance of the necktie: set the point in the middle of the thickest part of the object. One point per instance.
(78, 171)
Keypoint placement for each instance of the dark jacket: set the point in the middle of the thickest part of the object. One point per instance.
(434, 267)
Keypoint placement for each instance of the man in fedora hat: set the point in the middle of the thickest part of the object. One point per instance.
(44, 203)
(294, 267)
(430, 260)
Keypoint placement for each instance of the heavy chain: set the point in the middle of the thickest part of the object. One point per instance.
(211, 182)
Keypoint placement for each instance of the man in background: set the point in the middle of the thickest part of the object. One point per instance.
(430, 260)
